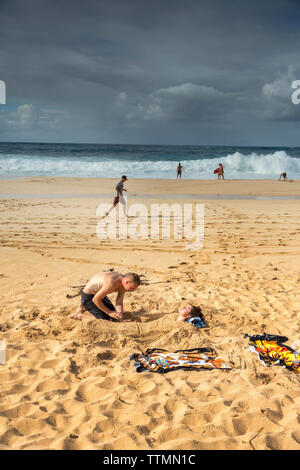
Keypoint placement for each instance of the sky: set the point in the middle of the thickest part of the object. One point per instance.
(199, 72)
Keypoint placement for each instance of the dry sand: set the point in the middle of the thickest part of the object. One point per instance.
(70, 385)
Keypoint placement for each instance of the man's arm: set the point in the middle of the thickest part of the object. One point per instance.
(119, 306)
(119, 302)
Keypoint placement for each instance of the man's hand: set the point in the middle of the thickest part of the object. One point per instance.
(119, 316)
(116, 315)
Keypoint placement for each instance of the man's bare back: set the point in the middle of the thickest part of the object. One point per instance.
(110, 280)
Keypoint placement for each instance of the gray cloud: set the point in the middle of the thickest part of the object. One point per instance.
(277, 98)
(185, 102)
(124, 71)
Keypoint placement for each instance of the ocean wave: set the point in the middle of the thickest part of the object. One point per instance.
(236, 165)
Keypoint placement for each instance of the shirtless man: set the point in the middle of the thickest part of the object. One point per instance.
(179, 170)
(94, 301)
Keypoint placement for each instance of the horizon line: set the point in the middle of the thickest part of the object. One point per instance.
(147, 145)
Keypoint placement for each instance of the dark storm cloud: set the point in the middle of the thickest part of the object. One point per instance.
(140, 71)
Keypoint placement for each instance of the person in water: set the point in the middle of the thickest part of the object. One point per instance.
(283, 175)
(220, 172)
(94, 301)
(179, 170)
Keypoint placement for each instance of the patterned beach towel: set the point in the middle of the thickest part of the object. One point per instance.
(162, 361)
(197, 321)
(271, 351)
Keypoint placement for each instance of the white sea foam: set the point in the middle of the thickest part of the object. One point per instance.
(236, 165)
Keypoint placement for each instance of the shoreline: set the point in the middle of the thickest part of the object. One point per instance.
(93, 187)
(207, 197)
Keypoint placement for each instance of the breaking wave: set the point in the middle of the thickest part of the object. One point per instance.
(237, 165)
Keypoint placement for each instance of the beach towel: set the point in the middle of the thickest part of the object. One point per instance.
(271, 351)
(198, 322)
(162, 360)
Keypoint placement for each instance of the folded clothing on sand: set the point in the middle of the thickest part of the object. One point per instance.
(197, 321)
(162, 361)
(271, 351)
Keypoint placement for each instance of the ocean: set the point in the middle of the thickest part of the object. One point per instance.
(146, 161)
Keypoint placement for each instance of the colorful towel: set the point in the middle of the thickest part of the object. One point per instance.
(197, 321)
(162, 361)
(272, 352)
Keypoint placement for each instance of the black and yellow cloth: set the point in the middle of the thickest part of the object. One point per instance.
(271, 351)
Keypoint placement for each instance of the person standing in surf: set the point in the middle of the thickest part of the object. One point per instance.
(179, 170)
(283, 175)
(220, 172)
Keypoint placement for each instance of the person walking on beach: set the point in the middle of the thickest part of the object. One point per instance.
(94, 301)
(220, 171)
(119, 197)
(179, 170)
(283, 175)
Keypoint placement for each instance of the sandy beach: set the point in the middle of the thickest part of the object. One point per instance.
(69, 384)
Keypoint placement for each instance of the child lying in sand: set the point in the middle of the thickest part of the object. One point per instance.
(192, 313)
(185, 313)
